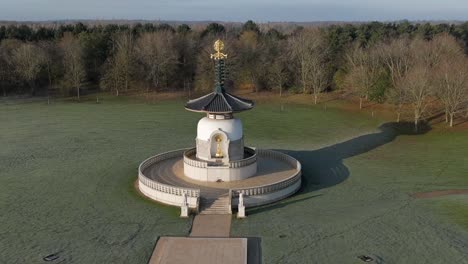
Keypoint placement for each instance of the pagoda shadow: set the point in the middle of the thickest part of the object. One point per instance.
(324, 168)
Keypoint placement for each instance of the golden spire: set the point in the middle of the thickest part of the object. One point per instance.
(218, 47)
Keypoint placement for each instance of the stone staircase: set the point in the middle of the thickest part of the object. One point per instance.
(215, 205)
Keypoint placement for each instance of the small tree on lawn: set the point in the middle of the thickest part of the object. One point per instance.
(363, 71)
(75, 73)
(398, 59)
(28, 61)
(417, 90)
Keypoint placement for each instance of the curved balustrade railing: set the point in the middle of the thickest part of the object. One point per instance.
(234, 193)
(245, 162)
(155, 185)
(192, 162)
(189, 154)
(273, 187)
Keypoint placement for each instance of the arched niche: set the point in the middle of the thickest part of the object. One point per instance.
(219, 146)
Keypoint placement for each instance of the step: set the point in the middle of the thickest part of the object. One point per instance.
(214, 212)
(215, 206)
(218, 205)
(223, 211)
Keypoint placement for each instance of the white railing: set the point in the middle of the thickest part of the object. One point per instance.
(190, 153)
(245, 162)
(272, 187)
(192, 162)
(161, 187)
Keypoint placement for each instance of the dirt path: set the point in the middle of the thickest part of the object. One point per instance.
(433, 194)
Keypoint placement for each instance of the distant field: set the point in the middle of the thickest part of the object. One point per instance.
(67, 169)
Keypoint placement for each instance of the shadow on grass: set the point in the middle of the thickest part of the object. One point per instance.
(323, 168)
(436, 118)
(263, 208)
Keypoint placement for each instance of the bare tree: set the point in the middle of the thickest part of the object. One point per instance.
(49, 47)
(119, 69)
(398, 59)
(250, 57)
(28, 60)
(4, 70)
(204, 74)
(418, 89)
(310, 51)
(301, 53)
(7, 69)
(363, 69)
(451, 78)
(187, 45)
(418, 83)
(452, 84)
(124, 58)
(156, 52)
(73, 62)
(278, 73)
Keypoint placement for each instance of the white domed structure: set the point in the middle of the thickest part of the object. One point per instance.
(232, 127)
(227, 131)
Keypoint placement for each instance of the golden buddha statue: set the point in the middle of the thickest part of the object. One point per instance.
(219, 152)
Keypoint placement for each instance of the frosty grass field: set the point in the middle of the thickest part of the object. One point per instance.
(67, 171)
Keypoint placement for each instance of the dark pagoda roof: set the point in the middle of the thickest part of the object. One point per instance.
(219, 102)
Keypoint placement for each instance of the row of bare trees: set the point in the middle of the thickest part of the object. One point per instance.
(25, 61)
(254, 61)
(410, 71)
(161, 59)
(309, 50)
(154, 53)
(421, 73)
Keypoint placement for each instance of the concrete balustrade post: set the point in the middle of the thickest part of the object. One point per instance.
(184, 208)
(241, 207)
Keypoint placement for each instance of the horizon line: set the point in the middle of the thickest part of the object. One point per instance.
(229, 21)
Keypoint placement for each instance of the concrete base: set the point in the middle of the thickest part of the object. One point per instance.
(182, 250)
(184, 211)
(241, 212)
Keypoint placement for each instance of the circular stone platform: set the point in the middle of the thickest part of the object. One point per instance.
(218, 171)
(162, 178)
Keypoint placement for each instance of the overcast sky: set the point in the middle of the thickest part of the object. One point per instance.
(236, 10)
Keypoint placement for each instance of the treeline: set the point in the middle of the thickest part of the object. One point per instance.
(403, 63)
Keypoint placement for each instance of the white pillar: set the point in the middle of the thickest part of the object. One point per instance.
(184, 207)
(241, 207)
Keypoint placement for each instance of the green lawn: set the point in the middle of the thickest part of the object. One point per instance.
(67, 172)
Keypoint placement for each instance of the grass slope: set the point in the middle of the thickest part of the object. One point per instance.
(355, 198)
(67, 171)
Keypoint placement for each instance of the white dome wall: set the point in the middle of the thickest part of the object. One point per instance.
(232, 128)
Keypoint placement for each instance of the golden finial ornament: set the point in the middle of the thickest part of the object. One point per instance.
(218, 47)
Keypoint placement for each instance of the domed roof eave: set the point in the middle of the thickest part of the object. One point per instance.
(219, 103)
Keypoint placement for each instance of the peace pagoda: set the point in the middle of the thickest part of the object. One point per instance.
(220, 137)
(220, 173)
